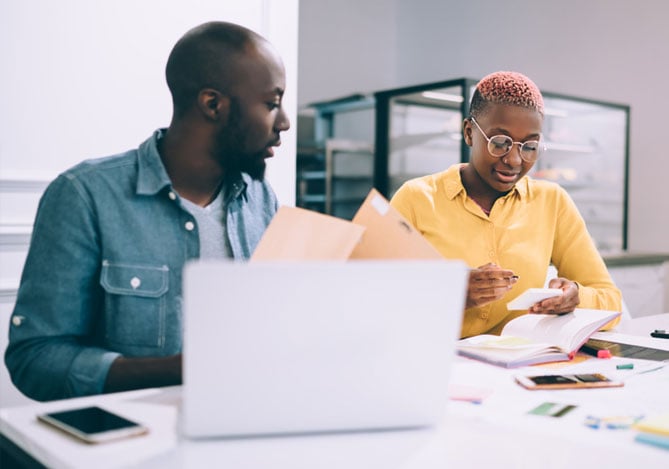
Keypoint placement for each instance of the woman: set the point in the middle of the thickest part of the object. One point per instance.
(491, 214)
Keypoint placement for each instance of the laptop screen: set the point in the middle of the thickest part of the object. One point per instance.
(282, 347)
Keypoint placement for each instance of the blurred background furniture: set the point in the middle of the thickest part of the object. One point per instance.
(349, 145)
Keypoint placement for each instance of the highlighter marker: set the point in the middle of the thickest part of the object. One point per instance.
(604, 354)
(660, 334)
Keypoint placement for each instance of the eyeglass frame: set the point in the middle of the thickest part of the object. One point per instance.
(539, 149)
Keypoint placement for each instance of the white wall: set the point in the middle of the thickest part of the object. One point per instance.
(346, 47)
(85, 78)
(611, 50)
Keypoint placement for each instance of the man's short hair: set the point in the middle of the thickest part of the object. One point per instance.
(202, 58)
(510, 88)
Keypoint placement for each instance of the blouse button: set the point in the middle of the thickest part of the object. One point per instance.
(190, 226)
(17, 320)
(172, 195)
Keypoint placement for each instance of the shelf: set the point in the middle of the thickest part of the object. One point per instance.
(568, 148)
(320, 198)
(348, 200)
(333, 171)
(311, 175)
(352, 177)
(403, 142)
(312, 198)
(348, 146)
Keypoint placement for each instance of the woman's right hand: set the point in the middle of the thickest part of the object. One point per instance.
(488, 283)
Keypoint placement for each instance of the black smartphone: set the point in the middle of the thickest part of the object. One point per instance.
(582, 381)
(93, 424)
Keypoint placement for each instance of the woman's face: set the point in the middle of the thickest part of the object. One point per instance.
(491, 172)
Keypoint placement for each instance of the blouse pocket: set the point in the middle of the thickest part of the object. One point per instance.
(135, 303)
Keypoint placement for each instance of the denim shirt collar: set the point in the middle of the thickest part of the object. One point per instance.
(152, 176)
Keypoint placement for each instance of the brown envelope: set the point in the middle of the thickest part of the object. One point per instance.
(388, 234)
(297, 234)
(377, 231)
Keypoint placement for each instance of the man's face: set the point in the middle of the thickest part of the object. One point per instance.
(256, 116)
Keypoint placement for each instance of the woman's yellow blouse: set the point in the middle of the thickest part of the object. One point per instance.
(532, 226)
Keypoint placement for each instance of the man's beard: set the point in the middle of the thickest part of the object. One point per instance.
(230, 150)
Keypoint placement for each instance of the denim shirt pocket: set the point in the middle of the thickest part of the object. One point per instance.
(135, 303)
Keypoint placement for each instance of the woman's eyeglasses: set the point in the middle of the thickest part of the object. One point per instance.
(500, 145)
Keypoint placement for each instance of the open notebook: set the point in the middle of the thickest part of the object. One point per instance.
(318, 346)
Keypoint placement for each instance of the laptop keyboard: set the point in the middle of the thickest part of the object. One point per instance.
(592, 346)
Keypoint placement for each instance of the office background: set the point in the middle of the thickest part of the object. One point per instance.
(607, 50)
(71, 90)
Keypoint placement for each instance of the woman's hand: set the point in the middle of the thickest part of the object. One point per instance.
(488, 283)
(558, 304)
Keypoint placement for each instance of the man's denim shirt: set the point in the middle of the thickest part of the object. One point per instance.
(103, 273)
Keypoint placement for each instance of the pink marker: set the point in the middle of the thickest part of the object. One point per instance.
(603, 354)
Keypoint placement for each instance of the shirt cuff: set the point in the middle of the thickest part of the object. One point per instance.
(88, 372)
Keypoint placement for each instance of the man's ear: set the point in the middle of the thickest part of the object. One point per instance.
(214, 105)
(467, 131)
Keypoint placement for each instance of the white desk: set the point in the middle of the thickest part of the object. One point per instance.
(497, 433)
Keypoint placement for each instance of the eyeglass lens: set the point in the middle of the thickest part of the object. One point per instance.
(500, 145)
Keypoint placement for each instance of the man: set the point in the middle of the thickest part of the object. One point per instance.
(98, 309)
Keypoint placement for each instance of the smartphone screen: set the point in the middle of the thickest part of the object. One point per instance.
(551, 379)
(93, 424)
(588, 380)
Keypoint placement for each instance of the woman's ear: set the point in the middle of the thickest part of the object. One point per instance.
(467, 131)
(214, 105)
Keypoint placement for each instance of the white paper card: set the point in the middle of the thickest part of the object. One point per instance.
(380, 204)
(532, 296)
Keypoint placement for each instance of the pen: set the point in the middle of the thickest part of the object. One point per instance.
(660, 334)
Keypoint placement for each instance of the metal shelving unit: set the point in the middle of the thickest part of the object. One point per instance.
(335, 161)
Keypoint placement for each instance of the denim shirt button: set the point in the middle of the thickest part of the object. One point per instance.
(190, 226)
(172, 195)
(135, 282)
(17, 320)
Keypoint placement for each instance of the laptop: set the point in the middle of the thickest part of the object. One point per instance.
(318, 346)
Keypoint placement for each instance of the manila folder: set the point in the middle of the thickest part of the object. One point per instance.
(297, 234)
(388, 234)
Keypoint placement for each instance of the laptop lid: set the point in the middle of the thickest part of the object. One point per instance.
(298, 347)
